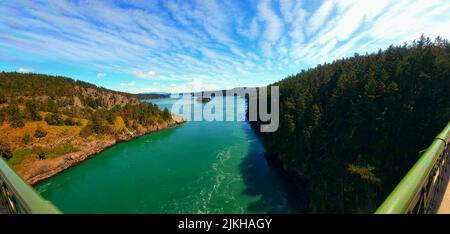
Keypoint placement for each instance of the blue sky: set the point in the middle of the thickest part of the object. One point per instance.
(151, 45)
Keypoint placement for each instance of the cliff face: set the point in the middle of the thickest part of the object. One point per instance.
(107, 98)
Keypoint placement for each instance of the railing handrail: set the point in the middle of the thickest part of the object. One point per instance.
(30, 200)
(407, 192)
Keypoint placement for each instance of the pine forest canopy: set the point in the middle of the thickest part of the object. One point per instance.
(353, 128)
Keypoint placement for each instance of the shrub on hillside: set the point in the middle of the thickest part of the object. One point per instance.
(40, 133)
(15, 116)
(17, 123)
(54, 119)
(5, 151)
(166, 115)
(41, 154)
(32, 111)
(3, 99)
(26, 139)
(98, 127)
(111, 119)
(69, 122)
(2, 116)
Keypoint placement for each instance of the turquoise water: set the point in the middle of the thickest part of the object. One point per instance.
(198, 167)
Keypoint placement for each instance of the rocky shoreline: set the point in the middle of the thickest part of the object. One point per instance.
(47, 168)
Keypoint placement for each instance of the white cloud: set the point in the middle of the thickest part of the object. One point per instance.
(274, 26)
(25, 70)
(318, 19)
(252, 31)
(219, 42)
(292, 10)
(350, 20)
(196, 85)
(286, 9)
(144, 75)
(101, 75)
(407, 21)
(130, 84)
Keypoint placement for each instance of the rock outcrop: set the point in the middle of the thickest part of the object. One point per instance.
(108, 98)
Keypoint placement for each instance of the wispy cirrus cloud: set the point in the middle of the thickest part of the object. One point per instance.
(222, 43)
(144, 75)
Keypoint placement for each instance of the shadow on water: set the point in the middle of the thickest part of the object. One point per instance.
(276, 194)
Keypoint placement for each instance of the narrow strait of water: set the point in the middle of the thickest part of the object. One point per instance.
(198, 167)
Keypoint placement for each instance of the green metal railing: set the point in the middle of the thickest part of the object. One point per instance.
(417, 191)
(20, 198)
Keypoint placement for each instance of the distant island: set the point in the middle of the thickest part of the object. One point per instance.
(50, 123)
(149, 96)
(203, 99)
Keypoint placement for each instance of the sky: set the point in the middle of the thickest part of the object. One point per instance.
(175, 45)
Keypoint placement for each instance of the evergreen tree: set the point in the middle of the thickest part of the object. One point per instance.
(26, 139)
(166, 115)
(2, 98)
(41, 154)
(5, 151)
(32, 111)
(2, 116)
(69, 122)
(54, 119)
(40, 133)
(15, 116)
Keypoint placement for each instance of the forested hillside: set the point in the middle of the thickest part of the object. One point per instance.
(65, 96)
(44, 117)
(353, 128)
(61, 89)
